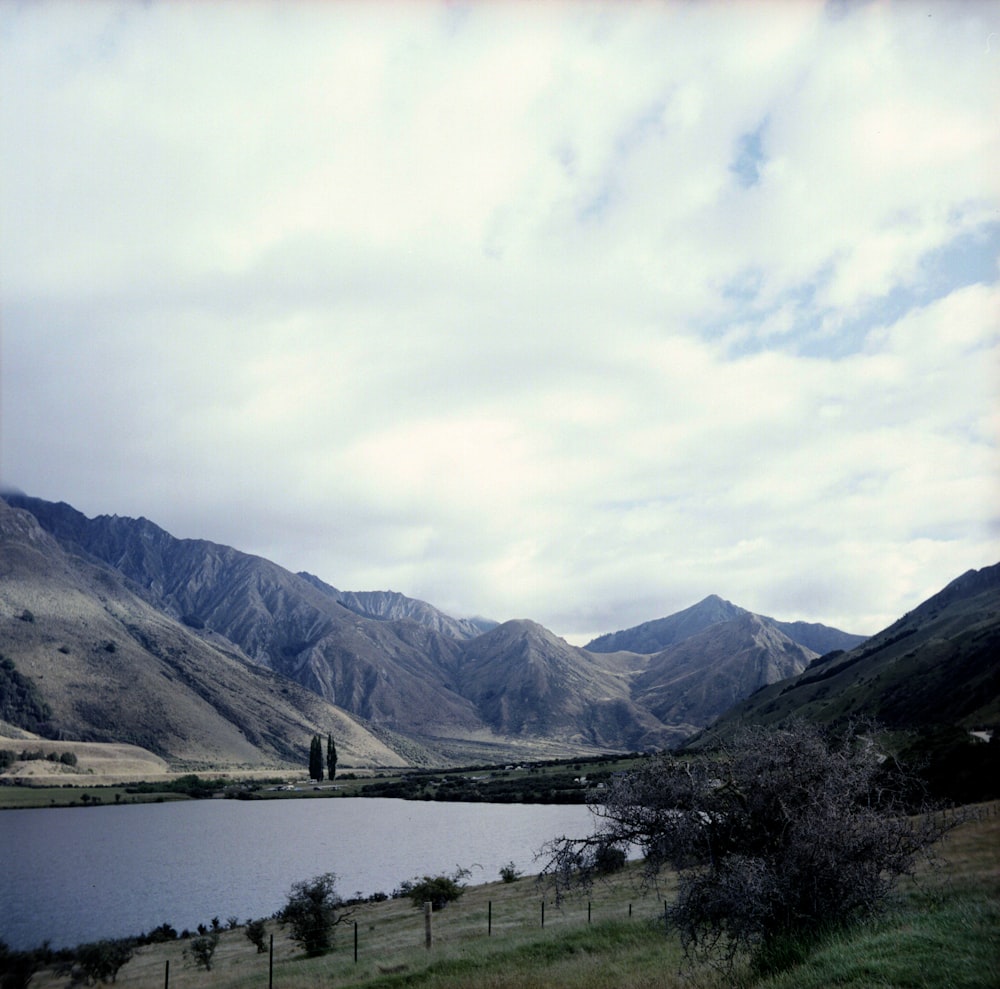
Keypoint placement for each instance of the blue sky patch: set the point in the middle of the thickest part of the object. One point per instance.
(750, 157)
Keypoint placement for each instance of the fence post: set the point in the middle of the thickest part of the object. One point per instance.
(166, 974)
(588, 911)
(489, 918)
(428, 907)
(270, 964)
(543, 913)
(355, 942)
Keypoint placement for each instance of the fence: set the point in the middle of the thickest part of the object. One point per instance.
(393, 936)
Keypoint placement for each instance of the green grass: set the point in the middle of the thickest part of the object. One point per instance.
(613, 953)
(951, 943)
(24, 797)
(940, 932)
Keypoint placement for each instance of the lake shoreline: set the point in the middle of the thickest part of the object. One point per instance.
(75, 878)
(551, 782)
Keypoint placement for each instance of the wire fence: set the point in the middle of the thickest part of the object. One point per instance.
(376, 939)
(394, 937)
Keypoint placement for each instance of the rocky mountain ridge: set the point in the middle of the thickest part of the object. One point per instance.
(661, 633)
(695, 680)
(106, 666)
(445, 688)
(393, 606)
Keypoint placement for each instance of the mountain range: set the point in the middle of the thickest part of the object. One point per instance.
(206, 655)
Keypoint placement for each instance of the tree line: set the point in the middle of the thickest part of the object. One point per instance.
(8, 757)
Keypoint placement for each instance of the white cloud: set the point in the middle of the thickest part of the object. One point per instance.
(470, 301)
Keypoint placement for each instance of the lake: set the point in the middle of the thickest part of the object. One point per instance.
(79, 874)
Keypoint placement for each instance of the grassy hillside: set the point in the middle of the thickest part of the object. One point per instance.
(939, 931)
(932, 678)
(104, 761)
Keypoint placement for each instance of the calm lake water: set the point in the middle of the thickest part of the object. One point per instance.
(70, 875)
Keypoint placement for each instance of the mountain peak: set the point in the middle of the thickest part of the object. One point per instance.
(651, 637)
(695, 680)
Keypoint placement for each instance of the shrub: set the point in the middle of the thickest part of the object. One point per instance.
(165, 932)
(439, 891)
(202, 949)
(312, 911)
(510, 873)
(609, 858)
(256, 932)
(17, 968)
(21, 701)
(783, 835)
(100, 961)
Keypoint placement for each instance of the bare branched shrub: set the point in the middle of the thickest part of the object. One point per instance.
(784, 834)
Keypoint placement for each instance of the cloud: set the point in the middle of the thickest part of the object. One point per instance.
(572, 312)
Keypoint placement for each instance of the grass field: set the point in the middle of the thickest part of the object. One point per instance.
(941, 932)
(548, 782)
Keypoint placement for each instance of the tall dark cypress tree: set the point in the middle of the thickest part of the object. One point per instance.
(331, 756)
(316, 758)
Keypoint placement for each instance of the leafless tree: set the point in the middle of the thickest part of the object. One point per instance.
(781, 835)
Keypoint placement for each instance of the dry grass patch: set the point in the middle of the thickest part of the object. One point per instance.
(97, 762)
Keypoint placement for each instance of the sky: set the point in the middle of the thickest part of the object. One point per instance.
(571, 312)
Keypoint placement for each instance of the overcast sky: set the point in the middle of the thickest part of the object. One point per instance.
(572, 312)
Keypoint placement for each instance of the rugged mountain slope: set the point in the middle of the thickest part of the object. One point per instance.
(393, 606)
(653, 636)
(694, 681)
(819, 638)
(393, 674)
(109, 667)
(527, 681)
(939, 664)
